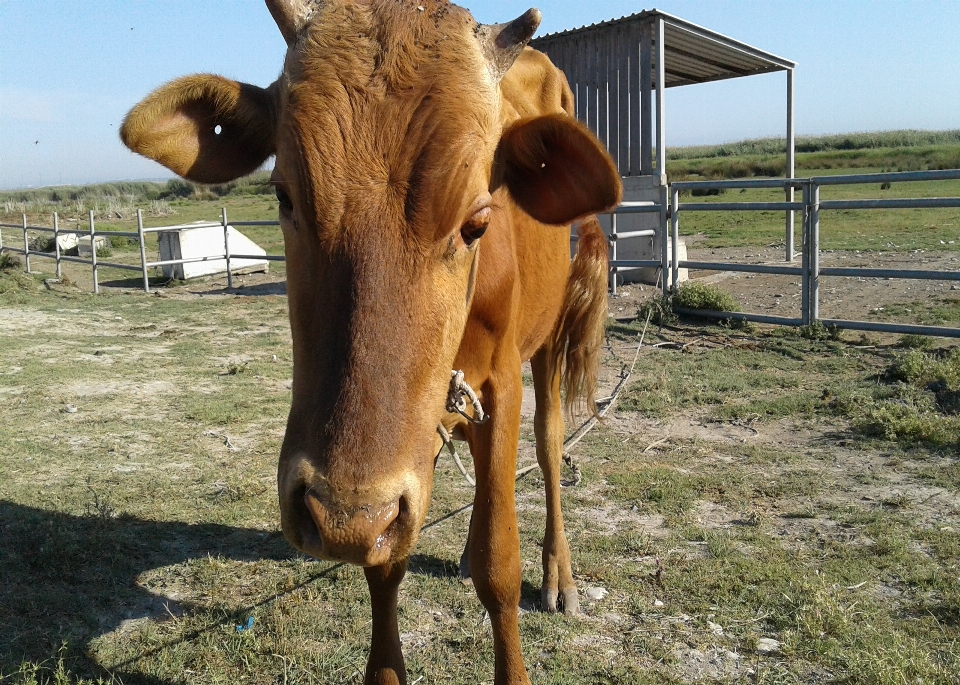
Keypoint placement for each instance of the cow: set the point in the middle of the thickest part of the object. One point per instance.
(428, 171)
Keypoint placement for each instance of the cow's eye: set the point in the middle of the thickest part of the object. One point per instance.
(474, 228)
(286, 204)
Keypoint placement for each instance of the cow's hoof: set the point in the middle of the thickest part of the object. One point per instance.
(465, 569)
(571, 601)
(567, 601)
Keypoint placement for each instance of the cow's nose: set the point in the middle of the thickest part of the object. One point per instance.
(362, 535)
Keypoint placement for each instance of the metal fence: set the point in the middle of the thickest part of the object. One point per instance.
(140, 236)
(809, 270)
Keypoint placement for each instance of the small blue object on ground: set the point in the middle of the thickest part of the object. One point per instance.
(246, 626)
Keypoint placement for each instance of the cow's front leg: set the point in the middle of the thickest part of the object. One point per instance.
(385, 665)
(494, 544)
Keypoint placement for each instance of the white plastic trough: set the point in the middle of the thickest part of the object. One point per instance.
(207, 241)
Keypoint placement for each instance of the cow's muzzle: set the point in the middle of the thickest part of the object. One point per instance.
(366, 535)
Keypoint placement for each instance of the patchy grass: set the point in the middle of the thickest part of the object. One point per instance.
(731, 499)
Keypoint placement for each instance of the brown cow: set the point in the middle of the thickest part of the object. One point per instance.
(403, 132)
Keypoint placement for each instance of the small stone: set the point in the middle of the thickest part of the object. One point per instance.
(767, 645)
(274, 359)
(70, 409)
(715, 628)
(657, 603)
(596, 593)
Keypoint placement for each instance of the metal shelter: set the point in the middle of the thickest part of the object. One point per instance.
(611, 65)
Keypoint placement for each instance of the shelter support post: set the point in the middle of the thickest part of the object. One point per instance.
(226, 246)
(661, 81)
(93, 255)
(646, 77)
(56, 243)
(143, 252)
(26, 246)
(790, 168)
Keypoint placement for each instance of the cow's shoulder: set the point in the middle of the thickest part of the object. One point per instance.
(533, 87)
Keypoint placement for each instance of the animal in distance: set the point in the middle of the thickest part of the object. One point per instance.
(428, 170)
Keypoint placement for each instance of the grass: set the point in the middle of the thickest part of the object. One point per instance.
(141, 530)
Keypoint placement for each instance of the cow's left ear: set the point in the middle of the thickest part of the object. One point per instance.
(556, 169)
(205, 128)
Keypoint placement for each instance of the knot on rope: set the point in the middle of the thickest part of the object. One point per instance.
(457, 397)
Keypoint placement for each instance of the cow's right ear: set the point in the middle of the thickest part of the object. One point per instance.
(205, 128)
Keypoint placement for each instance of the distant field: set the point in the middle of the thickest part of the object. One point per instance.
(883, 151)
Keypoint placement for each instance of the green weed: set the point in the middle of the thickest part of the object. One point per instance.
(697, 295)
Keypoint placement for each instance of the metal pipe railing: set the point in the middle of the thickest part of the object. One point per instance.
(810, 270)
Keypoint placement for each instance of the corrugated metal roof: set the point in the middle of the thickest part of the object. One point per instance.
(692, 54)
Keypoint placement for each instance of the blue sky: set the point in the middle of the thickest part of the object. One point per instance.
(69, 71)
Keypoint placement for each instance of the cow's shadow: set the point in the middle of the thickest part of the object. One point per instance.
(66, 579)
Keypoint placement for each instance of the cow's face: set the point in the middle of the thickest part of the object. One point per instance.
(386, 126)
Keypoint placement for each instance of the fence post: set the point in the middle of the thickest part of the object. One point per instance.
(664, 241)
(93, 255)
(814, 253)
(26, 246)
(56, 242)
(226, 245)
(143, 252)
(675, 234)
(805, 257)
(613, 251)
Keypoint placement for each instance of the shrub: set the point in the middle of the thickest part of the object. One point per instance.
(178, 187)
(9, 261)
(820, 331)
(659, 311)
(696, 295)
(43, 243)
(915, 342)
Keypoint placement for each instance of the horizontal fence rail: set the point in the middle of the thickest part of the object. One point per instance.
(810, 270)
(669, 209)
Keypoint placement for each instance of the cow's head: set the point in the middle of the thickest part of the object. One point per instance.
(389, 142)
